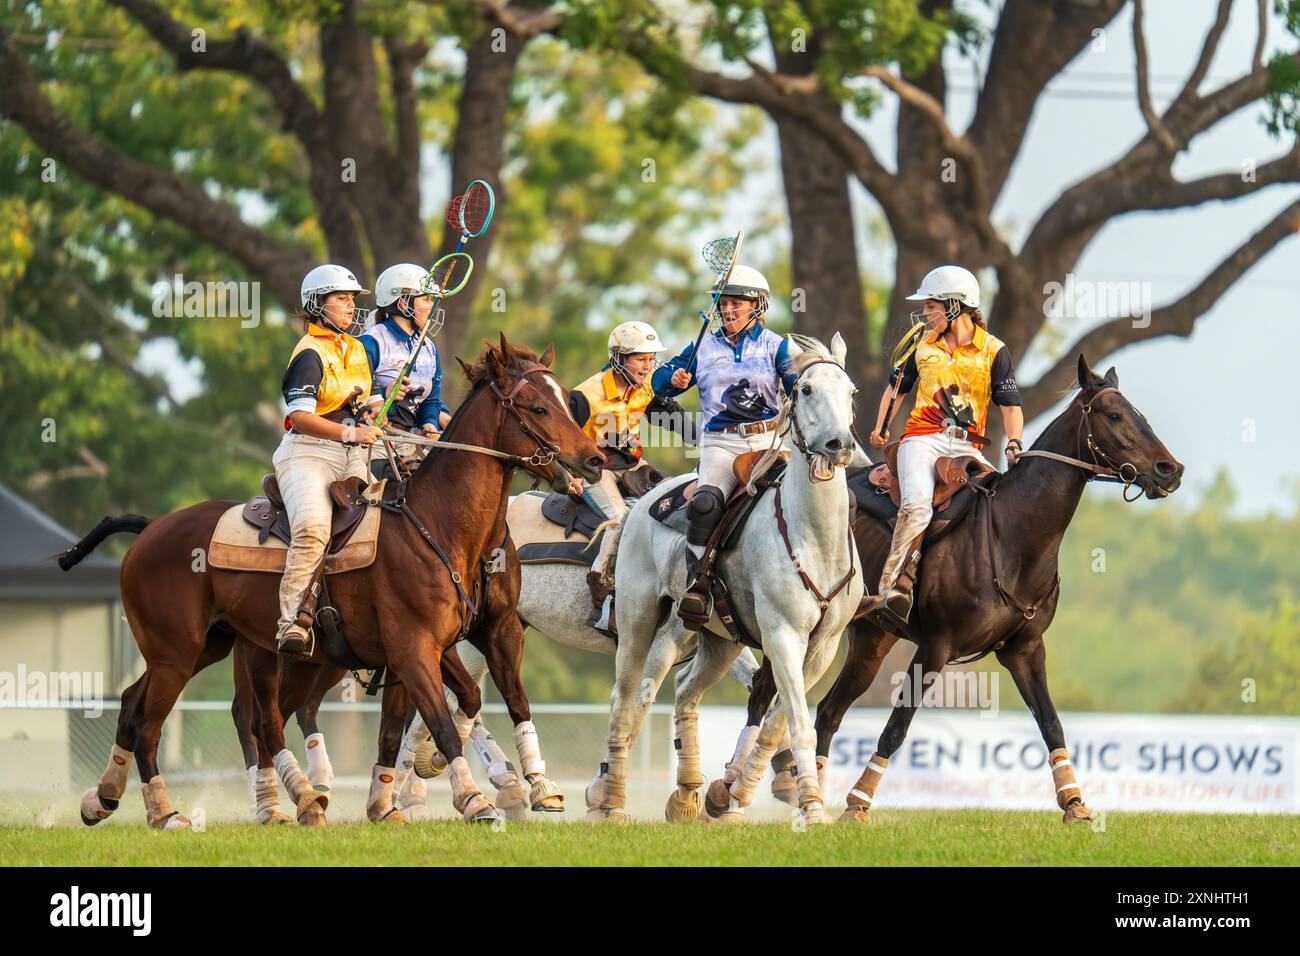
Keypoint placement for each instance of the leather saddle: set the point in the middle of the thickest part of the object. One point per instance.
(267, 512)
(576, 516)
(875, 489)
(670, 510)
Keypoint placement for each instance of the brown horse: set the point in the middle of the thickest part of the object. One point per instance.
(991, 584)
(404, 611)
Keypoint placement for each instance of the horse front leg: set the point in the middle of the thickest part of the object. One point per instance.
(713, 660)
(503, 651)
(1027, 661)
(319, 769)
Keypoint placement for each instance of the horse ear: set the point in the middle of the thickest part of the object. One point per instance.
(838, 349)
(465, 368)
(549, 355)
(505, 349)
(1112, 377)
(492, 358)
(1087, 377)
(793, 346)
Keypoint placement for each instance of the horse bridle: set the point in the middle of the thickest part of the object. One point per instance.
(543, 456)
(1110, 470)
(799, 441)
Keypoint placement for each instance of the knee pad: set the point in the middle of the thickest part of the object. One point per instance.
(704, 512)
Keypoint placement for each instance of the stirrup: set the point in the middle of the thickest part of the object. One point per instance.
(294, 642)
(890, 610)
(696, 607)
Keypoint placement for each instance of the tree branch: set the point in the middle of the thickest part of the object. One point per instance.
(1154, 124)
(1192, 87)
(1177, 318)
(160, 191)
(524, 22)
(249, 56)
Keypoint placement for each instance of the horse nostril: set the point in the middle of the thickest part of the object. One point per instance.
(596, 461)
(1166, 468)
(834, 444)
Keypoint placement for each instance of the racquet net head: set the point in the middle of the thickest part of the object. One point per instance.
(471, 211)
(448, 275)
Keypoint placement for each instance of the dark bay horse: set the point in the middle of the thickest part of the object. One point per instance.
(404, 611)
(991, 584)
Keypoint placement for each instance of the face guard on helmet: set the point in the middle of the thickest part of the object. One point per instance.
(398, 285)
(632, 338)
(745, 282)
(318, 284)
(954, 286)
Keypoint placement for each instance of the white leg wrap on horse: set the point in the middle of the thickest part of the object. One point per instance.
(463, 786)
(158, 808)
(266, 793)
(291, 775)
(319, 770)
(687, 742)
(99, 802)
(415, 735)
(464, 725)
(864, 791)
(751, 773)
(251, 774)
(615, 795)
(1067, 788)
(412, 795)
(499, 768)
(530, 749)
(805, 762)
(744, 745)
(379, 802)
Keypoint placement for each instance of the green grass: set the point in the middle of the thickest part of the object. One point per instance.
(896, 838)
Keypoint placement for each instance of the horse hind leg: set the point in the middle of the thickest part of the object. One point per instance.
(101, 802)
(712, 661)
(164, 685)
(263, 788)
(383, 776)
(319, 769)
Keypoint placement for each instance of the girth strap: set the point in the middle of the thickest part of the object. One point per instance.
(823, 600)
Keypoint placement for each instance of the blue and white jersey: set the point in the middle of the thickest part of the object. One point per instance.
(387, 348)
(738, 383)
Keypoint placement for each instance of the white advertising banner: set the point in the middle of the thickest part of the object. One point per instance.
(968, 758)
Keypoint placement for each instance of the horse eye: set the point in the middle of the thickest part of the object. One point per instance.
(1113, 416)
(539, 410)
(807, 389)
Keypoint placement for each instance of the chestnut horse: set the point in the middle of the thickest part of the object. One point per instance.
(404, 612)
(989, 586)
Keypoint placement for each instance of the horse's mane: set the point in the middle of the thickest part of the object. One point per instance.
(480, 372)
(813, 351)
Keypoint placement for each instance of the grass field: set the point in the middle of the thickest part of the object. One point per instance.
(896, 838)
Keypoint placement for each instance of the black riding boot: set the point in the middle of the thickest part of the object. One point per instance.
(703, 515)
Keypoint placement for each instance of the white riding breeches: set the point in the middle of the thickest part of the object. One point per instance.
(304, 468)
(916, 457)
(718, 454)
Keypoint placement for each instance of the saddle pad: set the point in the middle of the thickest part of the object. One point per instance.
(234, 544)
(670, 508)
(581, 553)
(529, 526)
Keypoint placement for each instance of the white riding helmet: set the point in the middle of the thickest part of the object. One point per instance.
(405, 278)
(949, 282)
(326, 279)
(631, 338)
(747, 283)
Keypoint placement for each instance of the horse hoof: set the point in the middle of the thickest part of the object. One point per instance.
(175, 821)
(595, 793)
(732, 818)
(785, 788)
(1078, 813)
(546, 797)
(512, 800)
(683, 809)
(274, 817)
(855, 814)
(92, 810)
(428, 762)
(479, 809)
(608, 815)
(392, 816)
(815, 815)
(311, 808)
(717, 798)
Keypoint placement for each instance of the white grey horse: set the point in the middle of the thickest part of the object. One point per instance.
(776, 582)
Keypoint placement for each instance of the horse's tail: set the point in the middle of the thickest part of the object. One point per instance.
(106, 528)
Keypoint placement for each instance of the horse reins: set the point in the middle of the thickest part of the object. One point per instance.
(1096, 471)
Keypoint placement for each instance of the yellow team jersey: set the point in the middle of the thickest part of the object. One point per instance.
(956, 387)
(615, 413)
(343, 366)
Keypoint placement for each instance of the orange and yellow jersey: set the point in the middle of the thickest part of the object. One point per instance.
(609, 413)
(956, 387)
(324, 370)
